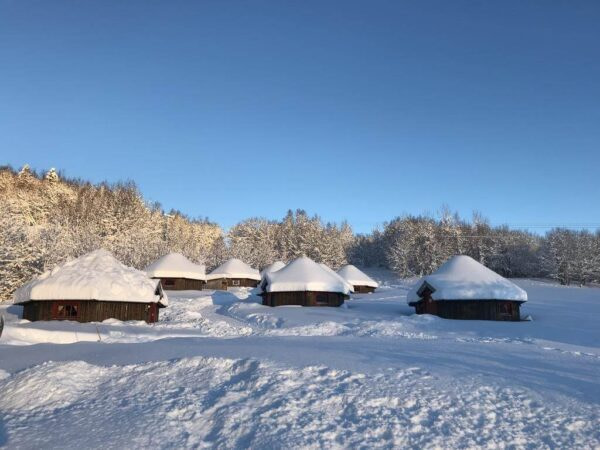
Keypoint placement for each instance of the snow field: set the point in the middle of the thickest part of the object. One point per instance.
(221, 370)
(245, 403)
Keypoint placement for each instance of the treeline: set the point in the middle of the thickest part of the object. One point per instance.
(47, 219)
(417, 245)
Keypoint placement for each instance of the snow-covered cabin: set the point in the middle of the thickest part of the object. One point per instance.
(361, 282)
(462, 288)
(304, 282)
(177, 273)
(333, 272)
(92, 288)
(232, 273)
(274, 267)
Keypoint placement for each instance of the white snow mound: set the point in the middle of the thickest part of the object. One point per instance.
(234, 268)
(175, 265)
(463, 278)
(356, 277)
(97, 275)
(303, 274)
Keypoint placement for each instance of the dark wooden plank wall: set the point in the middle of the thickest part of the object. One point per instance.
(94, 311)
(302, 298)
(359, 289)
(224, 283)
(182, 284)
(471, 309)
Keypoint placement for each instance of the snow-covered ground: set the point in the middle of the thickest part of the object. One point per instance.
(219, 369)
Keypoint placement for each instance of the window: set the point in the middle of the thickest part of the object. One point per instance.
(322, 298)
(65, 310)
(235, 282)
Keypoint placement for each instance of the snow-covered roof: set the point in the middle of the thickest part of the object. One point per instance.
(272, 268)
(463, 278)
(303, 274)
(234, 268)
(95, 276)
(333, 272)
(175, 265)
(356, 277)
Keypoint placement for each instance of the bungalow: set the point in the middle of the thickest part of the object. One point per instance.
(177, 273)
(462, 288)
(232, 273)
(303, 282)
(333, 272)
(92, 288)
(361, 282)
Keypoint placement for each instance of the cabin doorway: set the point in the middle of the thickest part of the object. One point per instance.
(152, 313)
(505, 311)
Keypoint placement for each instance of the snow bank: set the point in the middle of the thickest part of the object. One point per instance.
(303, 274)
(356, 277)
(234, 268)
(95, 276)
(175, 265)
(463, 278)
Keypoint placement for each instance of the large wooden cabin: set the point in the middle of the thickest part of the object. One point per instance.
(92, 288)
(464, 289)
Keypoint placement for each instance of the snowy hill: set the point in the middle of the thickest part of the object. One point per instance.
(220, 369)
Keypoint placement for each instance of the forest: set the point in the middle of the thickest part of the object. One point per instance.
(48, 219)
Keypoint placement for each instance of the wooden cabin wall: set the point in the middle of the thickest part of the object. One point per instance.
(182, 284)
(359, 289)
(472, 309)
(302, 298)
(94, 311)
(225, 283)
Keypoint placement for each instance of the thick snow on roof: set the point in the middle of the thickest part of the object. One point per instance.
(234, 268)
(333, 272)
(272, 268)
(303, 274)
(95, 276)
(463, 278)
(356, 277)
(175, 265)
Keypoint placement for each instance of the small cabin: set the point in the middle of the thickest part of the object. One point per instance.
(232, 273)
(177, 273)
(360, 281)
(92, 288)
(334, 273)
(462, 288)
(303, 282)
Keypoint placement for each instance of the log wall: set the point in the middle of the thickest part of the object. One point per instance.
(92, 310)
(303, 298)
(182, 284)
(471, 309)
(225, 283)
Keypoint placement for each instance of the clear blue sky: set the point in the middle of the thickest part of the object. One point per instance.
(353, 110)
